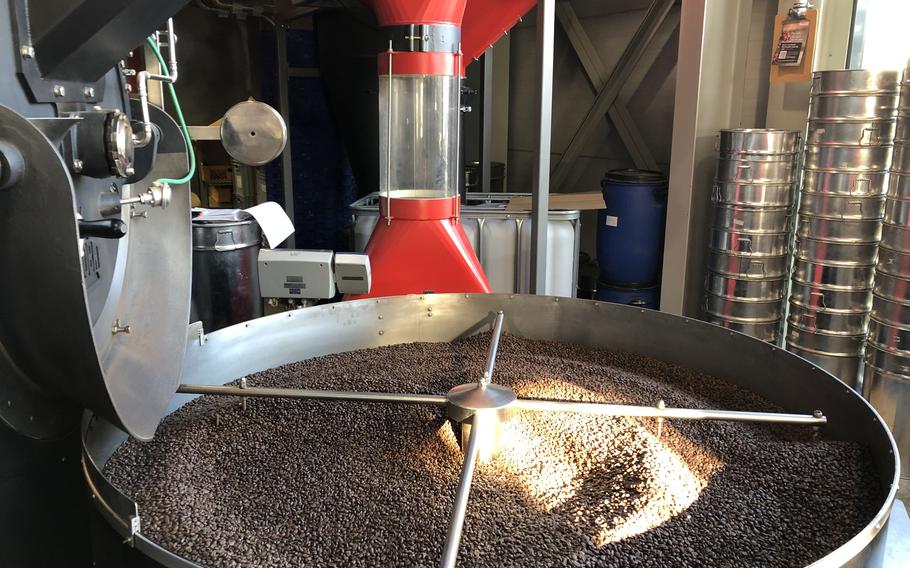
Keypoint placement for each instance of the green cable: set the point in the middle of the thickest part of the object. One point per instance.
(183, 128)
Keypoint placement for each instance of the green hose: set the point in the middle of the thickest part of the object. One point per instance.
(183, 128)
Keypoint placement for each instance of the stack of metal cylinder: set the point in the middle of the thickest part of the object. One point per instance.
(847, 156)
(748, 258)
(886, 381)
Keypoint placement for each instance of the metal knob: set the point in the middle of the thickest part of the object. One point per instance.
(157, 195)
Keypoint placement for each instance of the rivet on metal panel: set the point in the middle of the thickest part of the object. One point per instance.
(290, 314)
(381, 332)
(59, 91)
(642, 310)
(246, 324)
(380, 316)
(26, 51)
(88, 91)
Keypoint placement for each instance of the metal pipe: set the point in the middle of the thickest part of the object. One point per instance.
(493, 349)
(456, 519)
(815, 419)
(314, 394)
(144, 77)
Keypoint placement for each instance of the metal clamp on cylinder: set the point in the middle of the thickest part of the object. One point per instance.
(443, 38)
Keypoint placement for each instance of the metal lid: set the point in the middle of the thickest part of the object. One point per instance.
(253, 133)
(634, 176)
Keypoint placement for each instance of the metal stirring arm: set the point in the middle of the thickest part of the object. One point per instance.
(659, 411)
(314, 394)
(487, 376)
(459, 509)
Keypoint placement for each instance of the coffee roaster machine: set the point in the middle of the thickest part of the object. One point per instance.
(96, 340)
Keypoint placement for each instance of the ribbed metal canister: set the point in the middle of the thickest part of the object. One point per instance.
(886, 378)
(751, 227)
(849, 149)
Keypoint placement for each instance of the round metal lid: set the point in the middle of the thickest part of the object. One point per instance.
(633, 176)
(253, 133)
(474, 396)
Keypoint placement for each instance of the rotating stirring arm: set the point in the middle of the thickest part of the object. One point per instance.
(459, 509)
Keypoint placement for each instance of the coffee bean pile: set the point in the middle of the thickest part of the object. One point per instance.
(322, 483)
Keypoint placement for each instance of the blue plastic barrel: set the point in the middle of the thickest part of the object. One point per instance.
(630, 231)
(640, 297)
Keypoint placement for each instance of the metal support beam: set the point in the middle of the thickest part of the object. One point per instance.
(597, 75)
(605, 98)
(540, 181)
(287, 173)
(486, 125)
(708, 98)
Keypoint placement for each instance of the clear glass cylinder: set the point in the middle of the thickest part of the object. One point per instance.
(418, 135)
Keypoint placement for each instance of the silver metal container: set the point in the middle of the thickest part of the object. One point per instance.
(844, 230)
(901, 158)
(895, 237)
(853, 158)
(902, 126)
(897, 211)
(740, 288)
(501, 239)
(851, 323)
(844, 183)
(833, 252)
(745, 309)
(890, 395)
(766, 331)
(758, 244)
(891, 287)
(891, 312)
(825, 342)
(853, 81)
(899, 185)
(750, 219)
(865, 132)
(893, 262)
(757, 141)
(225, 273)
(763, 195)
(821, 297)
(841, 206)
(889, 338)
(730, 169)
(833, 276)
(853, 106)
(755, 366)
(894, 362)
(746, 266)
(845, 367)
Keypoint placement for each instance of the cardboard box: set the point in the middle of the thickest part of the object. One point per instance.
(585, 200)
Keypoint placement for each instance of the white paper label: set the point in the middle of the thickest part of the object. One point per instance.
(612, 221)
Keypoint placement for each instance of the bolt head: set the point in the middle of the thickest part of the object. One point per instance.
(88, 91)
(26, 51)
(59, 91)
(77, 165)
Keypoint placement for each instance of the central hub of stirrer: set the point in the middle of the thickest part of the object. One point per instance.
(483, 404)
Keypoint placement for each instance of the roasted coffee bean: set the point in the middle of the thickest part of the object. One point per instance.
(320, 483)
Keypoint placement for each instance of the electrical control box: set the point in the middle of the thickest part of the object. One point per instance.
(352, 273)
(296, 274)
